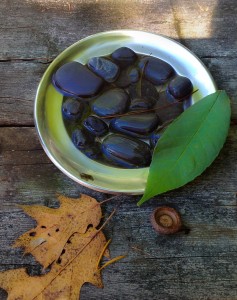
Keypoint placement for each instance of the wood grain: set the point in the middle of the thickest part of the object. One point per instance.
(35, 32)
(200, 265)
(19, 81)
(203, 260)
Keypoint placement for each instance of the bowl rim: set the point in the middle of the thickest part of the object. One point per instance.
(51, 156)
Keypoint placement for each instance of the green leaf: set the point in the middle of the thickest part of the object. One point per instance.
(189, 145)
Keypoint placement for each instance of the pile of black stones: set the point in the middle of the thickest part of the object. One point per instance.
(116, 107)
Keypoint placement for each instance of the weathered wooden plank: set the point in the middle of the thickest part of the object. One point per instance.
(173, 267)
(18, 139)
(39, 29)
(202, 26)
(25, 167)
(207, 205)
(25, 45)
(20, 146)
(42, 29)
(18, 84)
(167, 279)
(19, 81)
(158, 281)
(198, 265)
(36, 31)
(225, 75)
(213, 231)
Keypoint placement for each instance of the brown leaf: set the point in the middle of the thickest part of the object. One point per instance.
(56, 226)
(76, 265)
(78, 247)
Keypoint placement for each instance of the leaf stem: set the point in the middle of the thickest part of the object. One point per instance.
(108, 199)
(111, 261)
(102, 253)
(145, 110)
(140, 81)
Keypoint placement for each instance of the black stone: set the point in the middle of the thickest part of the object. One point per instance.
(76, 80)
(93, 151)
(104, 68)
(156, 135)
(124, 56)
(156, 70)
(127, 76)
(170, 97)
(72, 109)
(111, 102)
(187, 103)
(137, 125)
(123, 80)
(136, 110)
(149, 90)
(81, 139)
(143, 89)
(126, 152)
(133, 74)
(141, 104)
(166, 109)
(95, 126)
(180, 87)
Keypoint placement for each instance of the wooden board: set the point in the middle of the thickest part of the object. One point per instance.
(172, 267)
(35, 32)
(200, 265)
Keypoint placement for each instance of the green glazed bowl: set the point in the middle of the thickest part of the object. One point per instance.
(48, 118)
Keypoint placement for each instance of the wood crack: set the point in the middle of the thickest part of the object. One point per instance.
(16, 125)
(32, 164)
(13, 98)
(219, 56)
(40, 60)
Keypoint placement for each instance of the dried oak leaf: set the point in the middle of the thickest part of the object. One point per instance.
(56, 226)
(77, 264)
(64, 238)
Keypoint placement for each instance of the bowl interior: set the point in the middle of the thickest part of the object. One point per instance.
(48, 118)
